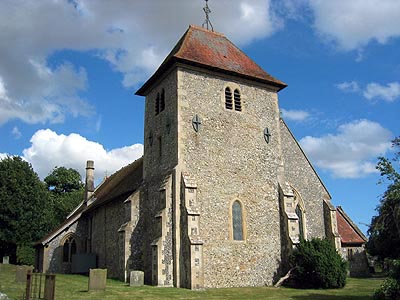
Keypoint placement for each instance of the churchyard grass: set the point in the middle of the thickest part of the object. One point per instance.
(74, 287)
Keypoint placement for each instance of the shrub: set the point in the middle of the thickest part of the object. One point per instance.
(390, 289)
(317, 264)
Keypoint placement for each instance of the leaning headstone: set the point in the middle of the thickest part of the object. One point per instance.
(136, 278)
(97, 279)
(21, 272)
(6, 260)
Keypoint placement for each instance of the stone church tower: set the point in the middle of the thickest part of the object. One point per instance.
(222, 194)
(227, 190)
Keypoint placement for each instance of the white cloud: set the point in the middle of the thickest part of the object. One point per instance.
(353, 24)
(352, 152)
(295, 115)
(16, 133)
(133, 36)
(49, 149)
(3, 155)
(348, 86)
(388, 93)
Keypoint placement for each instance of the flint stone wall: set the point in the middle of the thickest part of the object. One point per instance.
(160, 158)
(232, 142)
(55, 249)
(107, 242)
(300, 174)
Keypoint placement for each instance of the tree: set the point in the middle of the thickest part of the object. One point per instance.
(66, 191)
(25, 213)
(384, 232)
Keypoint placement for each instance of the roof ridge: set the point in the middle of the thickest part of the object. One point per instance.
(206, 30)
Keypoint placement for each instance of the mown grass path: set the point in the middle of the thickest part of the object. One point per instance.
(74, 287)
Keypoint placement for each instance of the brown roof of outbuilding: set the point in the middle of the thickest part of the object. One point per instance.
(348, 231)
(204, 48)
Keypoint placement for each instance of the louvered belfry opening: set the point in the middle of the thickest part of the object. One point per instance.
(157, 104)
(162, 100)
(238, 104)
(228, 98)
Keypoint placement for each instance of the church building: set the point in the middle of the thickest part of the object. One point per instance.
(223, 192)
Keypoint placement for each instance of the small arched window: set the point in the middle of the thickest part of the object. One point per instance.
(228, 98)
(157, 104)
(162, 100)
(238, 103)
(237, 221)
(69, 249)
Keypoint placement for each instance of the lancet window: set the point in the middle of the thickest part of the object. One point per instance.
(160, 102)
(237, 221)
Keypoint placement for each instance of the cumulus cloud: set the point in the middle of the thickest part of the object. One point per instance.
(353, 24)
(348, 87)
(352, 151)
(388, 93)
(372, 91)
(132, 36)
(49, 149)
(295, 115)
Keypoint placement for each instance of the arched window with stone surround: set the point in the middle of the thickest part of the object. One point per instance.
(69, 248)
(237, 221)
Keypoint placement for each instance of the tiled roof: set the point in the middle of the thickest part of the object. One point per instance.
(124, 181)
(348, 231)
(204, 48)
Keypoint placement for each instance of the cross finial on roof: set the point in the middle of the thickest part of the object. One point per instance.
(207, 21)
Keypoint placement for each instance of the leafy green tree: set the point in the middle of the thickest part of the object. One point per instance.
(66, 191)
(25, 211)
(384, 232)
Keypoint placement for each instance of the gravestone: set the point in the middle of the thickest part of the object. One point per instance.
(50, 287)
(97, 279)
(21, 272)
(6, 260)
(136, 278)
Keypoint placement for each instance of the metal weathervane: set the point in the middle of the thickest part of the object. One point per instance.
(207, 21)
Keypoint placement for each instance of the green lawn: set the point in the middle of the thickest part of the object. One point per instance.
(71, 287)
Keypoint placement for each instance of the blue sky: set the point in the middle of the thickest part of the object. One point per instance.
(69, 71)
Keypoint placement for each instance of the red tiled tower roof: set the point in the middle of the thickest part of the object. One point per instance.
(348, 231)
(211, 50)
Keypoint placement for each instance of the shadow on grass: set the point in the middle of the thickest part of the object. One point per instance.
(329, 297)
